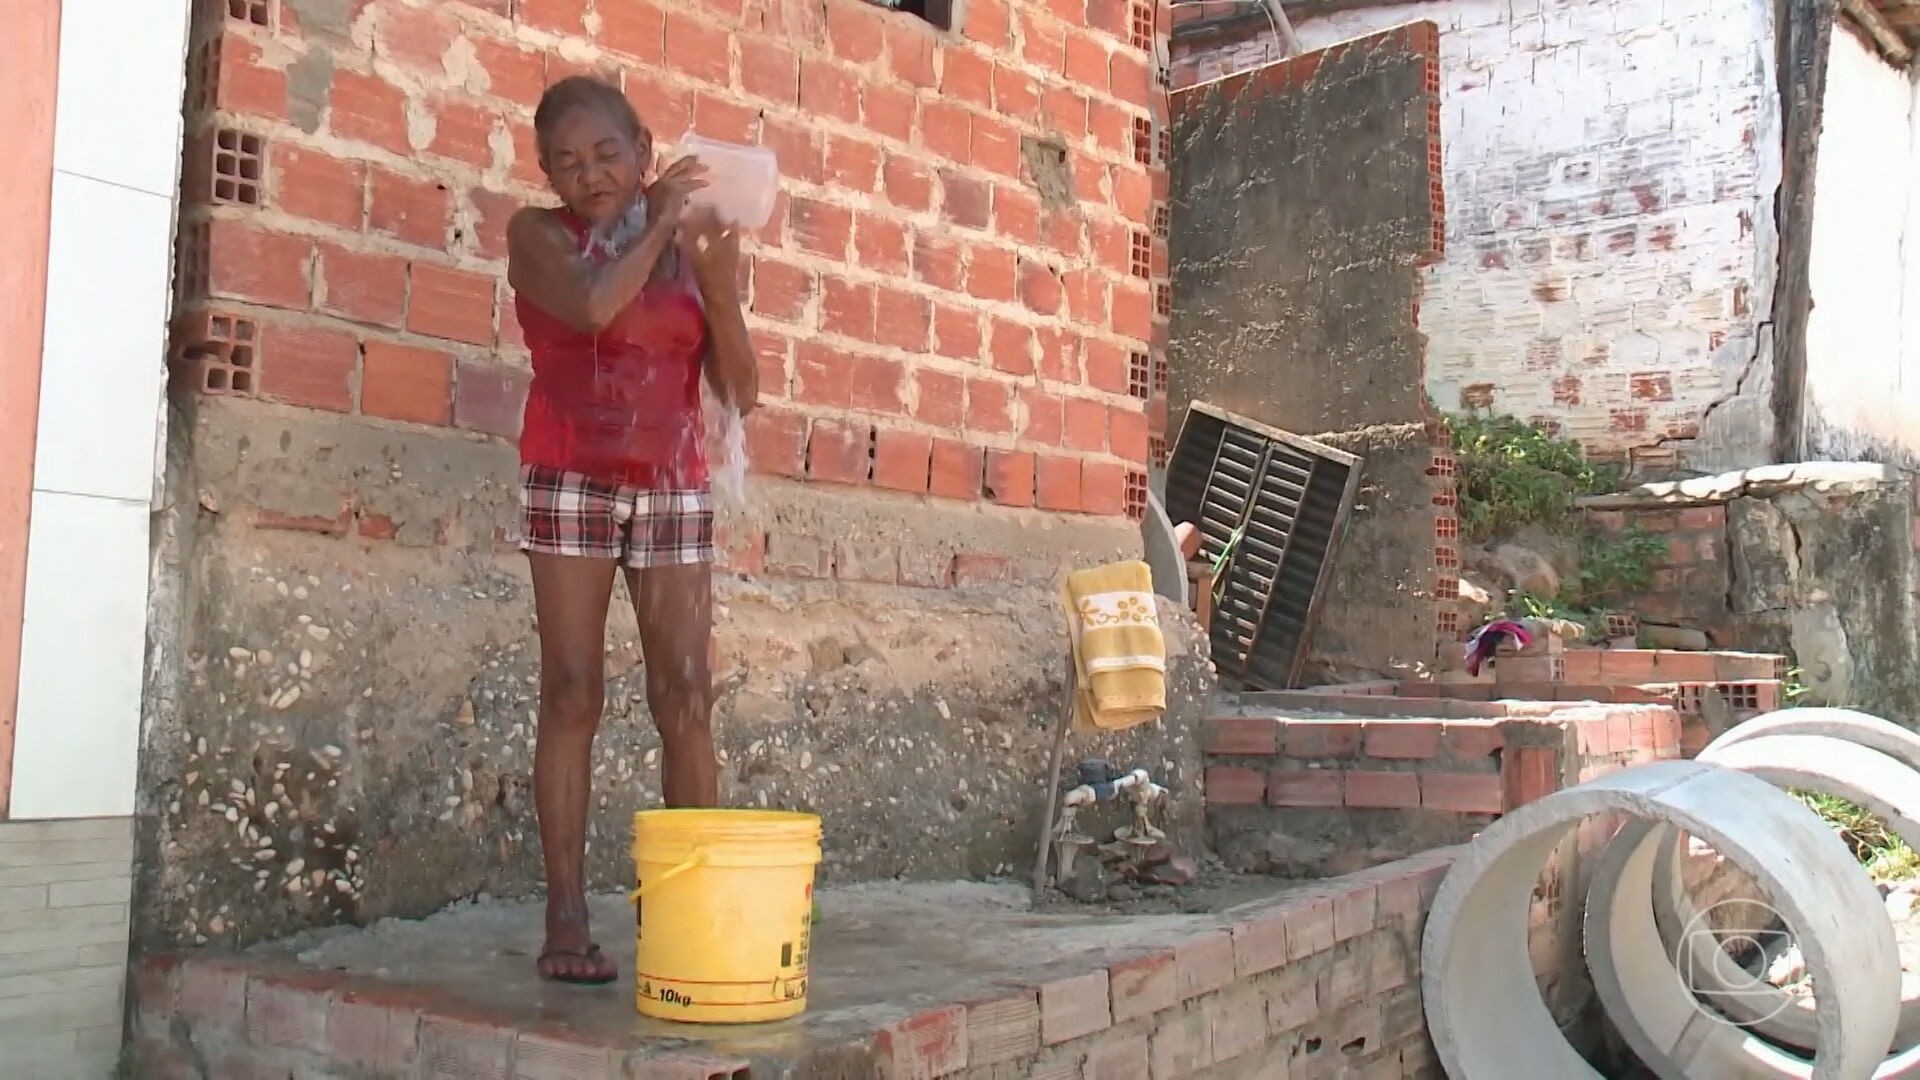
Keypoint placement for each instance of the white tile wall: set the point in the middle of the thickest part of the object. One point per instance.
(116, 158)
(122, 72)
(104, 367)
(81, 658)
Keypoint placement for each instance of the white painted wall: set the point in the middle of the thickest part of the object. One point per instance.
(116, 158)
(1609, 168)
(1863, 338)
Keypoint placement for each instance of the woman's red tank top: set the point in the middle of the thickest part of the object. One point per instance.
(622, 406)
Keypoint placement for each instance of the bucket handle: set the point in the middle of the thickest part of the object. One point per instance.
(699, 856)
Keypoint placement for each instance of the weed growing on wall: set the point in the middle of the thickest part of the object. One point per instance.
(1794, 687)
(1885, 855)
(1614, 568)
(1510, 474)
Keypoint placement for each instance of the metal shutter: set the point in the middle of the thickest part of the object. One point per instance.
(1288, 499)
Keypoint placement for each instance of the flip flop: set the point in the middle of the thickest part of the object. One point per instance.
(591, 953)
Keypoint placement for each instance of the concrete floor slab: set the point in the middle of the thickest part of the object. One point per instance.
(883, 952)
(907, 979)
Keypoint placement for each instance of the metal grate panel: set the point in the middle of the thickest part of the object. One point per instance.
(1286, 498)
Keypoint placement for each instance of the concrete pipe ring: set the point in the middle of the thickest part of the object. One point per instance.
(1483, 1008)
(1868, 778)
(1847, 724)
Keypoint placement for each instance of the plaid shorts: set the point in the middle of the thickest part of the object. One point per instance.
(565, 513)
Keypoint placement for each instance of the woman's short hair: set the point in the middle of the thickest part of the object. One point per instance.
(584, 91)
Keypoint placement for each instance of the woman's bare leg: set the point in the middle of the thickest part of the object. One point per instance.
(570, 597)
(675, 608)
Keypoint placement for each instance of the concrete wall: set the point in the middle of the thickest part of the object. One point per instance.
(1814, 561)
(1295, 301)
(947, 306)
(1863, 336)
(1294, 288)
(1383, 611)
(1610, 168)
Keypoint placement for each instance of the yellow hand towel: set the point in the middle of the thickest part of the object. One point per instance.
(1119, 655)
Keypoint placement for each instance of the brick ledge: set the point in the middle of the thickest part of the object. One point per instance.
(243, 1015)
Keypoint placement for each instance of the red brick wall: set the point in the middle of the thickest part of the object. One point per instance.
(1449, 620)
(1389, 764)
(1456, 764)
(1547, 686)
(1690, 584)
(926, 322)
(1386, 776)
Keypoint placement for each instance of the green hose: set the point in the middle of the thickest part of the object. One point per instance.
(1221, 560)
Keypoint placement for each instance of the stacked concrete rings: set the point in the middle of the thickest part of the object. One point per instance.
(1669, 987)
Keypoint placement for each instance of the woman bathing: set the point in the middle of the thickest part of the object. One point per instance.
(626, 299)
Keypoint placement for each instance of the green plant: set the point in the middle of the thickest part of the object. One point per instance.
(1523, 604)
(1794, 686)
(1509, 473)
(1614, 567)
(1534, 606)
(1885, 855)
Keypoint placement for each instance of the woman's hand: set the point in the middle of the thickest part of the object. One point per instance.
(712, 247)
(667, 195)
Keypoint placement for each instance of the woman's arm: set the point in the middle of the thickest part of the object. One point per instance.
(732, 368)
(544, 264)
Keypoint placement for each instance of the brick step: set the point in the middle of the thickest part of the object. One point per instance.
(1611, 666)
(1306, 795)
(1466, 765)
(1670, 666)
(1747, 697)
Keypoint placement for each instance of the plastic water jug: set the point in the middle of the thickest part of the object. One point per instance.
(741, 180)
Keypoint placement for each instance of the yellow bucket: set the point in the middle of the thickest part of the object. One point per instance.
(725, 913)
